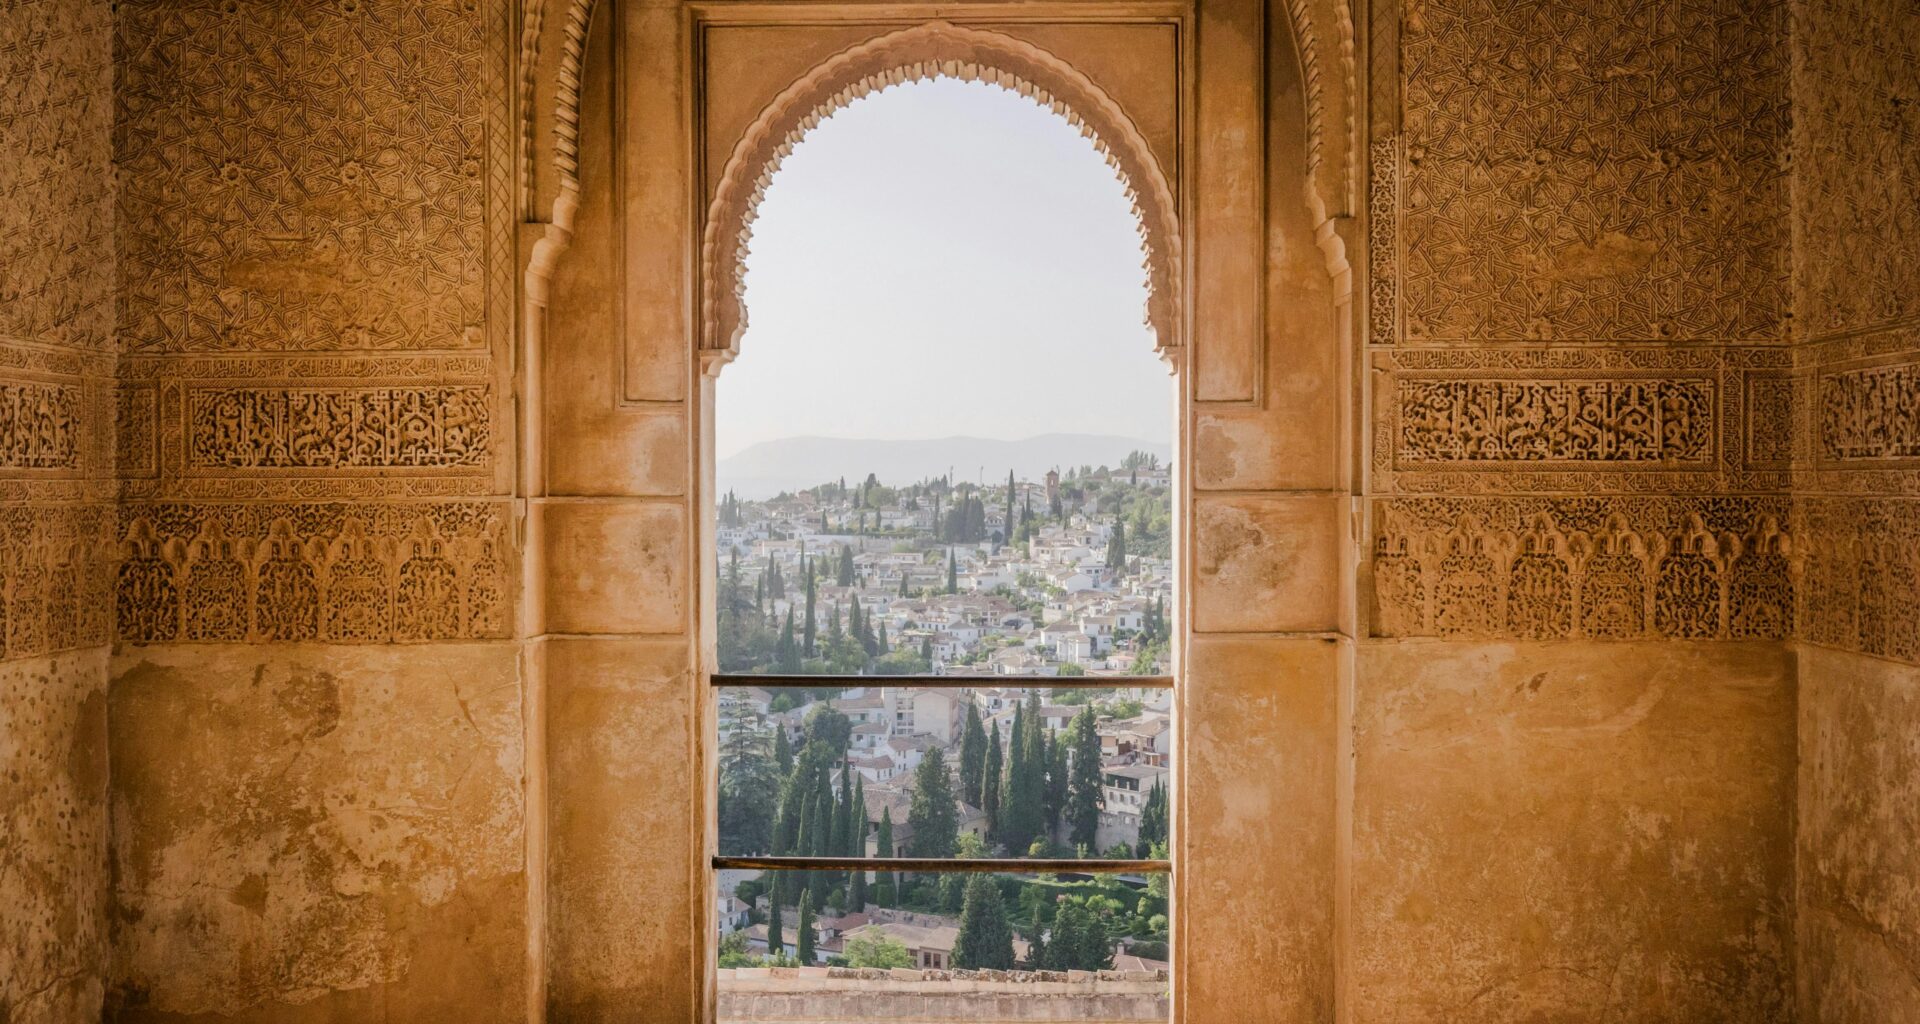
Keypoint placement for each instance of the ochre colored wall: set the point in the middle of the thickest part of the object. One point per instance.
(56, 491)
(1856, 292)
(1573, 714)
(1615, 713)
(316, 708)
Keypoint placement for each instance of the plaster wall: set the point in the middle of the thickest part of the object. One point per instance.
(317, 709)
(1573, 709)
(1856, 271)
(57, 463)
(1631, 408)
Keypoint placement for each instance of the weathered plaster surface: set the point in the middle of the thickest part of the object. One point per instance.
(620, 733)
(1262, 737)
(53, 837)
(1859, 839)
(306, 833)
(1573, 831)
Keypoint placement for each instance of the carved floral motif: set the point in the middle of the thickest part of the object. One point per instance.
(56, 258)
(55, 564)
(1563, 177)
(338, 572)
(1548, 569)
(276, 196)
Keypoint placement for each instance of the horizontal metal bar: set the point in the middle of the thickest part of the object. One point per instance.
(980, 681)
(1031, 866)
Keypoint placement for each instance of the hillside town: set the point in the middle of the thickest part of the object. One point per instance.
(1065, 576)
(937, 772)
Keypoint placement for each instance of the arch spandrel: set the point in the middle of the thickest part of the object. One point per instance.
(931, 50)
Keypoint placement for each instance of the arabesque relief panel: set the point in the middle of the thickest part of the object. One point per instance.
(1583, 568)
(1622, 183)
(267, 205)
(299, 571)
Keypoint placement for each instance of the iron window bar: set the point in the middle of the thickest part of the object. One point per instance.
(1008, 865)
(723, 680)
(1004, 865)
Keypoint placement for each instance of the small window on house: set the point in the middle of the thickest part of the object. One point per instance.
(944, 580)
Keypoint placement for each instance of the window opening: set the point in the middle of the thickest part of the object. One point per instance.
(943, 547)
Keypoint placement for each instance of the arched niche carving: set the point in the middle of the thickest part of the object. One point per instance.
(931, 50)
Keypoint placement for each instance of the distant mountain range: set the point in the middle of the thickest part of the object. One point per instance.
(795, 463)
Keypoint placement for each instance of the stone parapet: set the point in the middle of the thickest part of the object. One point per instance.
(819, 995)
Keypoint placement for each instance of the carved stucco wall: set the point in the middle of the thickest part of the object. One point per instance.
(56, 468)
(1856, 291)
(1574, 720)
(316, 706)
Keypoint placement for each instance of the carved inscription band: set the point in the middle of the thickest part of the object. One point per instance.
(38, 426)
(1871, 413)
(1613, 421)
(338, 428)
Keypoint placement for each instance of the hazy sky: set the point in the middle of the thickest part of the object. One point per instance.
(944, 258)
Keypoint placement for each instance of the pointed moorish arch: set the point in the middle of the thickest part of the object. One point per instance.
(1321, 33)
(927, 51)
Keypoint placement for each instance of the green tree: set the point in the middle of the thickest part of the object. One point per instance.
(829, 728)
(973, 757)
(845, 577)
(877, 949)
(807, 628)
(1057, 781)
(953, 573)
(1117, 546)
(1083, 790)
(782, 751)
(733, 951)
(1153, 821)
(885, 888)
(803, 928)
(1035, 756)
(990, 783)
(749, 784)
(986, 936)
(935, 820)
(776, 942)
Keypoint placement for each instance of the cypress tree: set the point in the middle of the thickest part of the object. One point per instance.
(803, 939)
(1117, 546)
(824, 815)
(842, 844)
(953, 573)
(986, 936)
(846, 566)
(803, 844)
(932, 814)
(1083, 794)
(807, 627)
(1056, 781)
(776, 943)
(1153, 821)
(857, 846)
(1034, 799)
(880, 639)
(1007, 528)
(782, 750)
(973, 757)
(785, 654)
(1011, 823)
(990, 784)
(883, 847)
